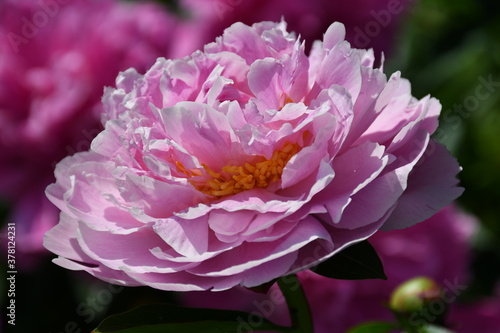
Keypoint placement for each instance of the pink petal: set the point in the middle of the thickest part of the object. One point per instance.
(62, 240)
(187, 237)
(264, 81)
(130, 252)
(339, 67)
(431, 185)
(354, 170)
(334, 35)
(250, 255)
(203, 131)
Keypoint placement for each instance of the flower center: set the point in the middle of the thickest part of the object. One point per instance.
(233, 179)
(284, 100)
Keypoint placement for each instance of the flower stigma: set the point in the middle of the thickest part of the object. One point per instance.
(234, 179)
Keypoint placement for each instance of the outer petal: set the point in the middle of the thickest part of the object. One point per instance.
(354, 170)
(250, 255)
(333, 35)
(431, 186)
(188, 238)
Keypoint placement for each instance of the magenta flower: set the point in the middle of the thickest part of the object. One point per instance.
(369, 23)
(246, 162)
(338, 305)
(55, 59)
(423, 250)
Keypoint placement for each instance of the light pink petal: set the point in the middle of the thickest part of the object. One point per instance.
(316, 56)
(338, 102)
(353, 171)
(56, 191)
(243, 40)
(334, 35)
(430, 122)
(381, 194)
(156, 198)
(187, 237)
(182, 281)
(250, 255)
(431, 185)
(235, 115)
(203, 132)
(62, 240)
(373, 81)
(129, 252)
(215, 247)
(235, 69)
(267, 271)
(101, 272)
(107, 143)
(291, 113)
(319, 251)
(273, 232)
(295, 76)
(370, 204)
(305, 162)
(93, 198)
(390, 123)
(230, 224)
(263, 222)
(342, 68)
(264, 81)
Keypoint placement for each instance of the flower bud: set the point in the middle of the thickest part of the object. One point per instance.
(414, 295)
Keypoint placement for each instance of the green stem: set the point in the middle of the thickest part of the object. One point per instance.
(297, 304)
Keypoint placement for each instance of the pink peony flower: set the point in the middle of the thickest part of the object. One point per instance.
(369, 23)
(437, 248)
(55, 59)
(246, 162)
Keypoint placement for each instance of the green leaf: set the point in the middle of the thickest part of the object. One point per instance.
(356, 262)
(160, 318)
(373, 327)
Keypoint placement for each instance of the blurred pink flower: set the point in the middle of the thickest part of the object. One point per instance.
(369, 23)
(437, 248)
(246, 162)
(55, 59)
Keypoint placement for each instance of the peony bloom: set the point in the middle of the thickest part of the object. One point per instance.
(373, 23)
(246, 162)
(55, 59)
(437, 248)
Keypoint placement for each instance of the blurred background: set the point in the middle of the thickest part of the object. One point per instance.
(56, 56)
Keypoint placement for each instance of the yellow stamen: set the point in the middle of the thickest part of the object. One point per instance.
(233, 179)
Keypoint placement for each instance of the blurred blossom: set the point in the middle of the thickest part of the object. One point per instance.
(369, 23)
(437, 248)
(55, 59)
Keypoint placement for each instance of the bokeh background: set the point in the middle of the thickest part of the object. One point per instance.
(53, 71)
